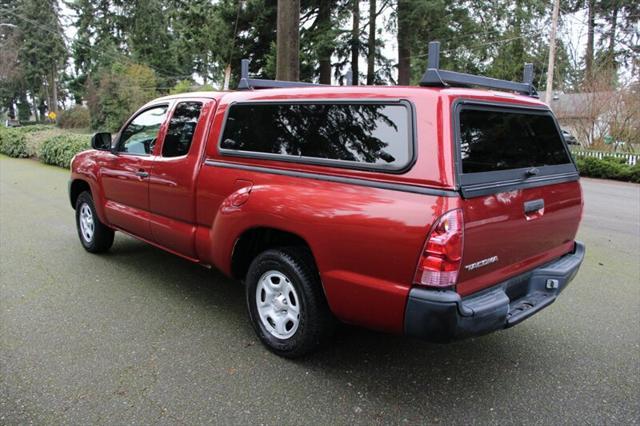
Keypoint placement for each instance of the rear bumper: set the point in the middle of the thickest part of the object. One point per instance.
(442, 316)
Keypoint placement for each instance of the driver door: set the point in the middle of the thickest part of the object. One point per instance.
(125, 173)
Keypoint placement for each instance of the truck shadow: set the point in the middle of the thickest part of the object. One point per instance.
(396, 370)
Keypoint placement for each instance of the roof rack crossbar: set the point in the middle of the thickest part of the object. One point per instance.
(434, 76)
(247, 83)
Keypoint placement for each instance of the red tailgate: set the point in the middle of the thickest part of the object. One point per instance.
(501, 240)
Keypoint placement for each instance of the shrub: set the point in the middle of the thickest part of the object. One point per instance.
(617, 160)
(594, 167)
(634, 173)
(36, 139)
(13, 143)
(75, 118)
(608, 168)
(59, 150)
(31, 128)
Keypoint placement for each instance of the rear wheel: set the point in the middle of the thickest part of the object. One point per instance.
(285, 301)
(95, 236)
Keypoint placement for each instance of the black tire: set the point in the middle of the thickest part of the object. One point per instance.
(316, 323)
(101, 239)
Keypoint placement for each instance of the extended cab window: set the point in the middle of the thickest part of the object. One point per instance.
(493, 140)
(182, 126)
(139, 137)
(366, 133)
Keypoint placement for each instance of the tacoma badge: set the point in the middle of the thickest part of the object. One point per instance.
(481, 263)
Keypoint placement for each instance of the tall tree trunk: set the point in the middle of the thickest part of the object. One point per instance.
(517, 58)
(288, 41)
(591, 23)
(371, 45)
(610, 63)
(23, 106)
(11, 111)
(355, 41)
(612, 34)
(35, 106)
(205, 69)
(47, 87)
(325, 50)
(54, 91)
(404, 46)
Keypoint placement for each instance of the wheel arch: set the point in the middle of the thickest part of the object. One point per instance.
(80, 183)
(77, 187)
(254, 241)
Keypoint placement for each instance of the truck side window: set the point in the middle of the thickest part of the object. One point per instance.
(376, 134)
(139, 137)
(181, 129)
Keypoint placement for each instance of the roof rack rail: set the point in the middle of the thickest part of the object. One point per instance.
(434, 76)
(247, 83)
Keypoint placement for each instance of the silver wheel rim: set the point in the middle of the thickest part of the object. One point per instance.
(278, 304)
(87, 226)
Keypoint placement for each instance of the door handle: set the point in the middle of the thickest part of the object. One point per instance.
(533, 205)
(142, 174)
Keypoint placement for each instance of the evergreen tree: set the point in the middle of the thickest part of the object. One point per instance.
(42, 52)
(149, 39)
(200, 37)
(11, 74)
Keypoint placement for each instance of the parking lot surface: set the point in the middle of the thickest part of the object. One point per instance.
(141, 336)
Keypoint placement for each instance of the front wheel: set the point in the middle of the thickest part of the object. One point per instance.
(95, 236)
(286, 303)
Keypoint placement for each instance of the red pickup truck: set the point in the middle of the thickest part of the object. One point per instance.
(438, 212)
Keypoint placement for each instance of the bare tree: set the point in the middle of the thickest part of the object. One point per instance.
(601, 115)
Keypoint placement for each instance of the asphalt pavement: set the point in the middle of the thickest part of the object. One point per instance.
(139, 336)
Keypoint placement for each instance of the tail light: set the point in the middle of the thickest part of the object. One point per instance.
(439, 263)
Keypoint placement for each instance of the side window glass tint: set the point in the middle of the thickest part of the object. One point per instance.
(181, 129)
(139, 137)
(370, 133)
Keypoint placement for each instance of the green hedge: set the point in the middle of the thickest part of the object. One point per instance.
(608, 168)
(13, 143)
(59, 150)
(36, 139)
(35, 128)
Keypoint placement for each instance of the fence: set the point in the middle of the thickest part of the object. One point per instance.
(632, 159)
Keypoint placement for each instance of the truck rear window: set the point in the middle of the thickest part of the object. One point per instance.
(359, 133)
(492, 140)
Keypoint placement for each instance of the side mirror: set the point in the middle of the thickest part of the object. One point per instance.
(101, 141)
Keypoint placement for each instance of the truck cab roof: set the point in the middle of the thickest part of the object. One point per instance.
(361, 92)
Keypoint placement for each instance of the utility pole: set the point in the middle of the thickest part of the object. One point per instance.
(552, 51)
